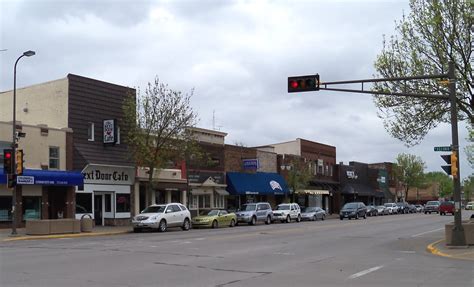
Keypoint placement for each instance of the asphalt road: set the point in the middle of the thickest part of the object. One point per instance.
(379, 251)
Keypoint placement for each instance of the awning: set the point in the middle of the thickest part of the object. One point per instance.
(313, 191)
(47, 177)
(222, 192)
(260, 183)
(358, 189)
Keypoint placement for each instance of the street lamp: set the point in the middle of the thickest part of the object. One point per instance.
(14, 219)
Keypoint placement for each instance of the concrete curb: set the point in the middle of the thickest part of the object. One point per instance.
(58, 236)
(431, 248)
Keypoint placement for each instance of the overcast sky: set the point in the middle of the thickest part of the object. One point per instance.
(236, 55)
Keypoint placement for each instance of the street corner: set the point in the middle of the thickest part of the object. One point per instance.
(439, 248)
(66, 235)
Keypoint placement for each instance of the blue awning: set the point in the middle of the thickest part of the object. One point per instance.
(260, 183)
(47, 177)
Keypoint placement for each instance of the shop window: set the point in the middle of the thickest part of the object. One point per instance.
(194, 201)
(123, 202)
(5, 208)
(31, 207)
(205, 201)
(327, 170)
(108, 202)
(331, 167)
(53, 157)
(219, 201)
(83, 203)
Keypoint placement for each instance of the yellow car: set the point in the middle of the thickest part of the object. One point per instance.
(215, 218)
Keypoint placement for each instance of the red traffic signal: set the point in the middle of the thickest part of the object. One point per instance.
(7, 161)
(303, 83)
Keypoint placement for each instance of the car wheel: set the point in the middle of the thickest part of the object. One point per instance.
(232, 223)
(269, 220)
(253, 221)
(298, 219)
(215, 224)
(186, 225)
(426, 212)
(137, 230)
(162, 227)
(288, 219)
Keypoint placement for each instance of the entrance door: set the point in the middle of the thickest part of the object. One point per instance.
(103, 207)
(98, 210)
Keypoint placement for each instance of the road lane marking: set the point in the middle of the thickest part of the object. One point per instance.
(426, 232)
(364, 272)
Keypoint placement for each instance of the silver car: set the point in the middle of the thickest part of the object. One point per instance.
(313, 213)
(251, 213)
(162, 216)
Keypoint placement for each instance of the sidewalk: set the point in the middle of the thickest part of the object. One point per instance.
(5, 234)
(439, 248)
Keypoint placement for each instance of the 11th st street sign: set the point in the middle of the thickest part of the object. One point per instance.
(442, 148)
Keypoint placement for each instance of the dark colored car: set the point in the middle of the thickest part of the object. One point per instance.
(446, 207)
(411, 208)
(371, 210)
(432, 206)
(353, 210)
(402, 207)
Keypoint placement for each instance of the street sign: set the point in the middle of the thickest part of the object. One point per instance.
(442, 148)
(25, 180)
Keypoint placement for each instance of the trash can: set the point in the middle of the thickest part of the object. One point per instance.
(86, 223)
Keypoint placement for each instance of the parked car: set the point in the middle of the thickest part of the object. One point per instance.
(470, 205)
(382, 210)
(446, 207)
(391, 207)
(251, 213)
(162, 216)
(371, 210)
(402, 207)
(215, 218)
(432, 206)
(286, 212)
(411, 208)
(313, 213)
(419, 208)
(353, 210)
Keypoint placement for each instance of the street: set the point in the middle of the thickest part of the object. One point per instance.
(378, 251)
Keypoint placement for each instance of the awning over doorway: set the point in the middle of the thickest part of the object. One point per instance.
(47, 177)
(358, 189)
(313, 192)
(260, 183)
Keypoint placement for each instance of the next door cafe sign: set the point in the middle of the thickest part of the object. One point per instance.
(97, 174)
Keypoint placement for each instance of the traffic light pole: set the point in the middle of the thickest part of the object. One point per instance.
(458, 236)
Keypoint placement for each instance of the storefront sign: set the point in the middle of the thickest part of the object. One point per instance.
(351, 174)
(251, 164)
(200, 177)
(110, 131)
(21, 179)
(96, 174)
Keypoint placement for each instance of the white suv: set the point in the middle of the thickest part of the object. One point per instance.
(287, 212)
(391, 207)
(162, 216)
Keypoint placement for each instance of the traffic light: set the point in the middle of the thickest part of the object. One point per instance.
(11, 180)
(452, 160)
(19, 162)
(7, 161)
(303, 83)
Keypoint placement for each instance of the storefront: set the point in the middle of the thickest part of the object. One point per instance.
(106, 194)
(255, 187)
(41, 194)
(360, 192)
(313, 197)
(207, 191)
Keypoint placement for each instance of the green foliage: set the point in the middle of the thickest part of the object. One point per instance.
(408, 170)
(156, 124)
(470, 148)
(434, 33)
(468, 187)
(299, 175)
(444, 182)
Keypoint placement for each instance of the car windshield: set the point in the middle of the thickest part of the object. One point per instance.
(350, 205)
(380, 207)
(248, 207)
(213, 212)
(309, 209)
(388, 204)
(432, 203)
(283, 207)
(154, 209)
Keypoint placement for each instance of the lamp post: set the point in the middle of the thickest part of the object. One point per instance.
(14, 215)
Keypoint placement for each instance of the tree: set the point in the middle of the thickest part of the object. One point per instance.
(299, 174)
(408, 170)
(156, 124)
(444, 182)
(470, 148)
(468, 187)
(434, 33)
